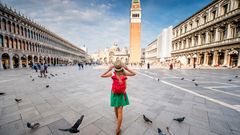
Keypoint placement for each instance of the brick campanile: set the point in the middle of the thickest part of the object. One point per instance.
(135, 32)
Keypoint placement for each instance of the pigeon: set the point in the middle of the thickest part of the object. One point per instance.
(49, 78)
(74, 128)
(158, 79)
(179, 119)
(32, 79)
(30, 76)
(160, 132)
(236, 76)
(146, 119)
(193, 80)
(33, 125)
(2, 93)
(52, 75)
(56, 74)
(182, 78)
(230, 80)
(196, 84)
(47, 86)
(18, 100)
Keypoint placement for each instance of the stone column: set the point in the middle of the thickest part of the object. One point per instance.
(199, 39)
(32, 59)
(38, 59)
(225, 58)
(229, 31)
(20, 62)
(187, 45)
(238, 58)
(50, 62)
(27, 61)
(1, 65)
(192, 41)
(215, 58)
(207, 37)
(217, 34)
(205, 58)
(11, 62)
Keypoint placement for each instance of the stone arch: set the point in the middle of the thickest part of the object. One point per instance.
(6, 61)
(13, 27)
(10, 42)
(15, 60)
(24, 61)
(35, 59)
(14, 44)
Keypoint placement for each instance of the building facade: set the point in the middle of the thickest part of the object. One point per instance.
(135, 32)
(159, 50)
(110, 55)
(210, 37)
(151, 52)
(24, 42)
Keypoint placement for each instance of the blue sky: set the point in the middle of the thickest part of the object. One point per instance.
(98, 23)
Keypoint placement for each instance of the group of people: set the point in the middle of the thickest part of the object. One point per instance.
(80, 66)
(41, 67)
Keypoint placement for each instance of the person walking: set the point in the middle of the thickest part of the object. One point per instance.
(42, 70)
(45, 68)
(119, 97)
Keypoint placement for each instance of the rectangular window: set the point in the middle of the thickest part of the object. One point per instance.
(225, 9)
(204, 19)
(238, 30)
(214, 14)
(185, 29)
(1, 41)
(225, 33)
(197, 22)
(135, 15)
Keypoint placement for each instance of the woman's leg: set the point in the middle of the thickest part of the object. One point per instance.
(116, 112)
(120, 115)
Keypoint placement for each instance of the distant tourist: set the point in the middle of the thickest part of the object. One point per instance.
(35, 67)
(171, 66)
(42, 70)
(45, 67)
(119, 97)
(148, 66)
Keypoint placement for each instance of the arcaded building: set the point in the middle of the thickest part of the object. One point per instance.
(24, 42)
(210, 37)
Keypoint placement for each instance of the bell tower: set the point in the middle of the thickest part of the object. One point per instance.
(135, 32)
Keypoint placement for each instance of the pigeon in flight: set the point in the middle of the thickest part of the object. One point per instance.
(196, 84)
(74, 128)
(146, 119)
(32, 79)
(2, 93)
(18, 100)
(47, 86)
(236, 76)
(52, 75)
(179, 119)
(230, 80)
(193, 80)
(33, 125)
(182, 78)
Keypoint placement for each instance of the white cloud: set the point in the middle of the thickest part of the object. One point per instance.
(80, 24)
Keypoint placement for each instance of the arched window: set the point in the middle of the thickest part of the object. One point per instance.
(4, 24)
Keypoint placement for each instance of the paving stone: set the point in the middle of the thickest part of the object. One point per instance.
(90, 130)
(9, 118)
(13, 128)
(40, 131)
(59, 124)
(106, 125)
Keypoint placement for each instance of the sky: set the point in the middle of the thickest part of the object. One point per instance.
(98, 24)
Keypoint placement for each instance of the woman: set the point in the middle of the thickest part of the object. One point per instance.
(119, 96)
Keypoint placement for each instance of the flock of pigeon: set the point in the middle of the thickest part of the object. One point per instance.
(73, 129)
(160, 132)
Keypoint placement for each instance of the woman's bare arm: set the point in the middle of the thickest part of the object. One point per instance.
(108, 73)
(129, 71)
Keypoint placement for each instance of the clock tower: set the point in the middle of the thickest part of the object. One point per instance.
(135, 32)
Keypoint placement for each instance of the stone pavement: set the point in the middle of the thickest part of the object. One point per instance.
(83, 92)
